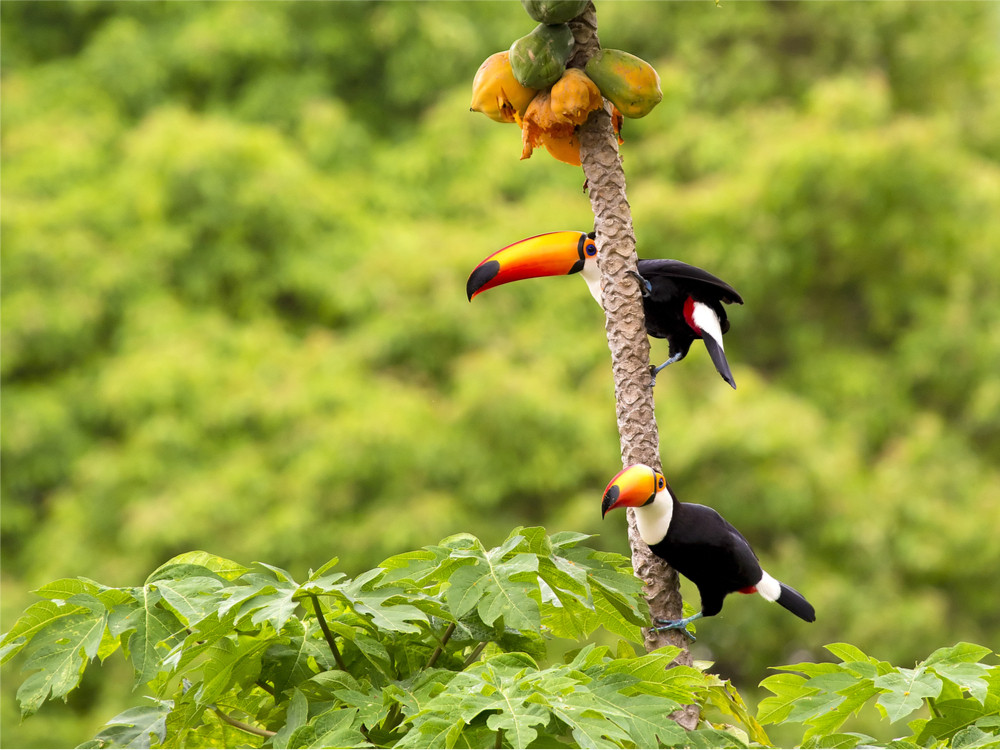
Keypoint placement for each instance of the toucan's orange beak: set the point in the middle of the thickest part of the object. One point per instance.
(631, 487)
(552, 254)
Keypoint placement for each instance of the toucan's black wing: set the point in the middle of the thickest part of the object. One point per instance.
(704, 547)
(675, 269)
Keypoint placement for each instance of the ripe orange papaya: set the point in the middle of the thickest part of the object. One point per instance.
(628, 81)
(574, 96)
(539, 58)
(495, 91)
(554, 11)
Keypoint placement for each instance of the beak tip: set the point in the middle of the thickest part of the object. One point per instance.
(610, 499)
(483, 274)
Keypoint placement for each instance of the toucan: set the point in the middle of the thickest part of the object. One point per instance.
(698, 543)
(681, 302)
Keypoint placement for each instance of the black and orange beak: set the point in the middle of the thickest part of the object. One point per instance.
(552, 254)
(631, 487)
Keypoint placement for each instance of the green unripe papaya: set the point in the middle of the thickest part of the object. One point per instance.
(539, 58)
(629, 82)
(554, 11)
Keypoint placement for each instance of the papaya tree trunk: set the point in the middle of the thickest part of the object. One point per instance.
(626, 331)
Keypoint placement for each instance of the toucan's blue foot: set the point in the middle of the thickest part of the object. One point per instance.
(654, 370)
(644, 286)
(677, 625)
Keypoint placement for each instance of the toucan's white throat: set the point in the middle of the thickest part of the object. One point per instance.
(653, 520)
(592, 275)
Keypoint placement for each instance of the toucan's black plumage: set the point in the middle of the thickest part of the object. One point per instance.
(674, 298)
(698, 543)
(681, 302)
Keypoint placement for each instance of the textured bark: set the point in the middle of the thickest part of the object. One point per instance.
(626, 331)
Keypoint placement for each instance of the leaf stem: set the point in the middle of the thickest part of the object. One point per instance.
(393, 718)
(440, 648)
(242, 725)
(327, 634)
(499, 743)
(475, 654)
(932, 705)
(265, 687)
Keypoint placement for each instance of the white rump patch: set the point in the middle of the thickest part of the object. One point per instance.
(769, 587)
(707, 321)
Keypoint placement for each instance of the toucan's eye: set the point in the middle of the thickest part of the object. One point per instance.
(590, 249)
(659, 483)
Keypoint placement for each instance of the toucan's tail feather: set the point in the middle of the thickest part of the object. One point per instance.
(718, 356)
(795, 603)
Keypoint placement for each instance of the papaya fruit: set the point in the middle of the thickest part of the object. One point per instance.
(565, 149)
(539, 124)
(495, 91)
(629, 82)
(541, 127)
(538, 59)
(574, 96)
(554, 11)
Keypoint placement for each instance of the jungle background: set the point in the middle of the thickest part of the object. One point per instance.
(235, 243)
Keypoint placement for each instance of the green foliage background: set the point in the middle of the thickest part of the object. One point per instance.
(235, 243)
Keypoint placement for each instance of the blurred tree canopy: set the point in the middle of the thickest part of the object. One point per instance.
(235, 243)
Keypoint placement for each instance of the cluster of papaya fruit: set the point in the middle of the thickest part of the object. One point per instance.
(530, 85)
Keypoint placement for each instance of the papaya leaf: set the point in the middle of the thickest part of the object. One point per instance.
(139, 726)
(855, 697)
(324, 685)
(38, 617)
(66, 588)
(226, 569)
(839, 740)
(534, 540)
(788, 689)
(651, 666)
(437, 731)
(372, 708)
(952, 717)
(424, 567)
(58, 657)
(725, 697)
(229, 663)
(496, 588)
(712, 737)
(847, 652)
(414, 695)
(588, 727)
(833, 682)
(906, 690)
(261, 597)
(322, 570)
(290, 661)
(565, 539)
(965, 676)
(154, 632)
(296, 715)
(821, 704)
(974, 737)
(959, 653)
(813, 669)
(191, 599)
(515, 719)
(641, 716)
(384, 607)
